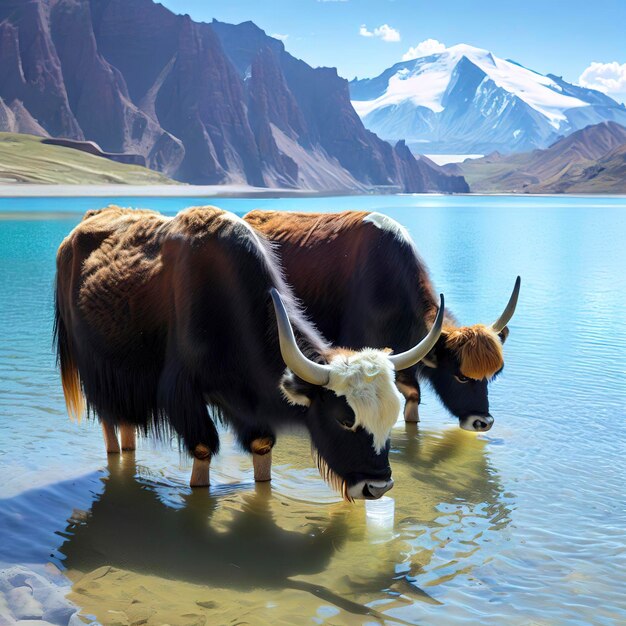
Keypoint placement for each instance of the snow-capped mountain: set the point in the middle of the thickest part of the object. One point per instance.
(466, 100)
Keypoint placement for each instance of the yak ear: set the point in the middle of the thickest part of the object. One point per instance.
(503, 334)
(295, 390)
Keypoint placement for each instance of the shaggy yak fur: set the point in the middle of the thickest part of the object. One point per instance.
(363, 283)
(158, 317)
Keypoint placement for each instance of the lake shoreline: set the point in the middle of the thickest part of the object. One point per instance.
(232, 191)
(161, 191)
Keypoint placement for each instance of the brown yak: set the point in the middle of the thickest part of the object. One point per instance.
(158, 317)
(363, 283)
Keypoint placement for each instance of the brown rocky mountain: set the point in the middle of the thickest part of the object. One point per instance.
(567, 166)
(606, 175)
(203, 103)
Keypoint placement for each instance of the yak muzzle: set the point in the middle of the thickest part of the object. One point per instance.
(370, 489)
(476, 423)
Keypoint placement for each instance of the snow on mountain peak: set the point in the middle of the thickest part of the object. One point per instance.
(471, 52)
(424, 81)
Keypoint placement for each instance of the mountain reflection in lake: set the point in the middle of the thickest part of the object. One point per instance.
(525, 524)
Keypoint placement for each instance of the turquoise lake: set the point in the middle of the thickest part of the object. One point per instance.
(525, 524)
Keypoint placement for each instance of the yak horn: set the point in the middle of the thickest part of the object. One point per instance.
(416, 354)
(299, 364)
(507, 314)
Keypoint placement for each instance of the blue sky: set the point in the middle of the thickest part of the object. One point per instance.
(561, 37)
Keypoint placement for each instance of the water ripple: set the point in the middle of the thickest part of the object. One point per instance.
(526, 524)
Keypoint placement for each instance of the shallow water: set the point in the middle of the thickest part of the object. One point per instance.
(523, 525)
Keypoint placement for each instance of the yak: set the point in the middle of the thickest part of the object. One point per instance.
(165, 324)
(363, 282)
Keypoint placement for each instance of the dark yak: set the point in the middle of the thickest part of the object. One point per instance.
(363, 283)
(157, 317)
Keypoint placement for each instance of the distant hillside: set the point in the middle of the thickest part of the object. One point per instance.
(557, 169)
(202, 103)
(26, 159)
(607, 175)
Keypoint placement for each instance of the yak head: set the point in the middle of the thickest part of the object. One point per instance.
(350, 402)
(462, 363)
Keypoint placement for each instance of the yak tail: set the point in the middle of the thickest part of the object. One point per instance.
(70, 378)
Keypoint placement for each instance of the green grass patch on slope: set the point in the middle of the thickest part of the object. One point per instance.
(24, 159)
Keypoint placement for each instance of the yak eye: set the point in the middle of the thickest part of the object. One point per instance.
(346, 422)
(462, 379)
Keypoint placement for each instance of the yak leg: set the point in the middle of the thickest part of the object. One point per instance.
(411, 394)
(127, 436)
(262, 458)
(411, 411)
(201, 464)
(110, 438)
(184, 404)
(259, 441)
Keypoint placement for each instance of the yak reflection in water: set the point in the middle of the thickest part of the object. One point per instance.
(450, 467)
(213, 541)
(449, 502)
(131, 528)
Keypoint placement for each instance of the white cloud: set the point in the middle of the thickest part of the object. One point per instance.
(610, 78)
(384, 32)
(279, 36)
(423, 49)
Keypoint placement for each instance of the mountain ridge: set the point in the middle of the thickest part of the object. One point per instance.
(588, 160)
(205, 103)
(466, 100)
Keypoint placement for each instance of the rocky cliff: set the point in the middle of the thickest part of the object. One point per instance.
(203, 103)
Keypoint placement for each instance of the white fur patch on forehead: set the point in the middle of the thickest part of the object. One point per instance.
(384, 222)
(367, 380)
